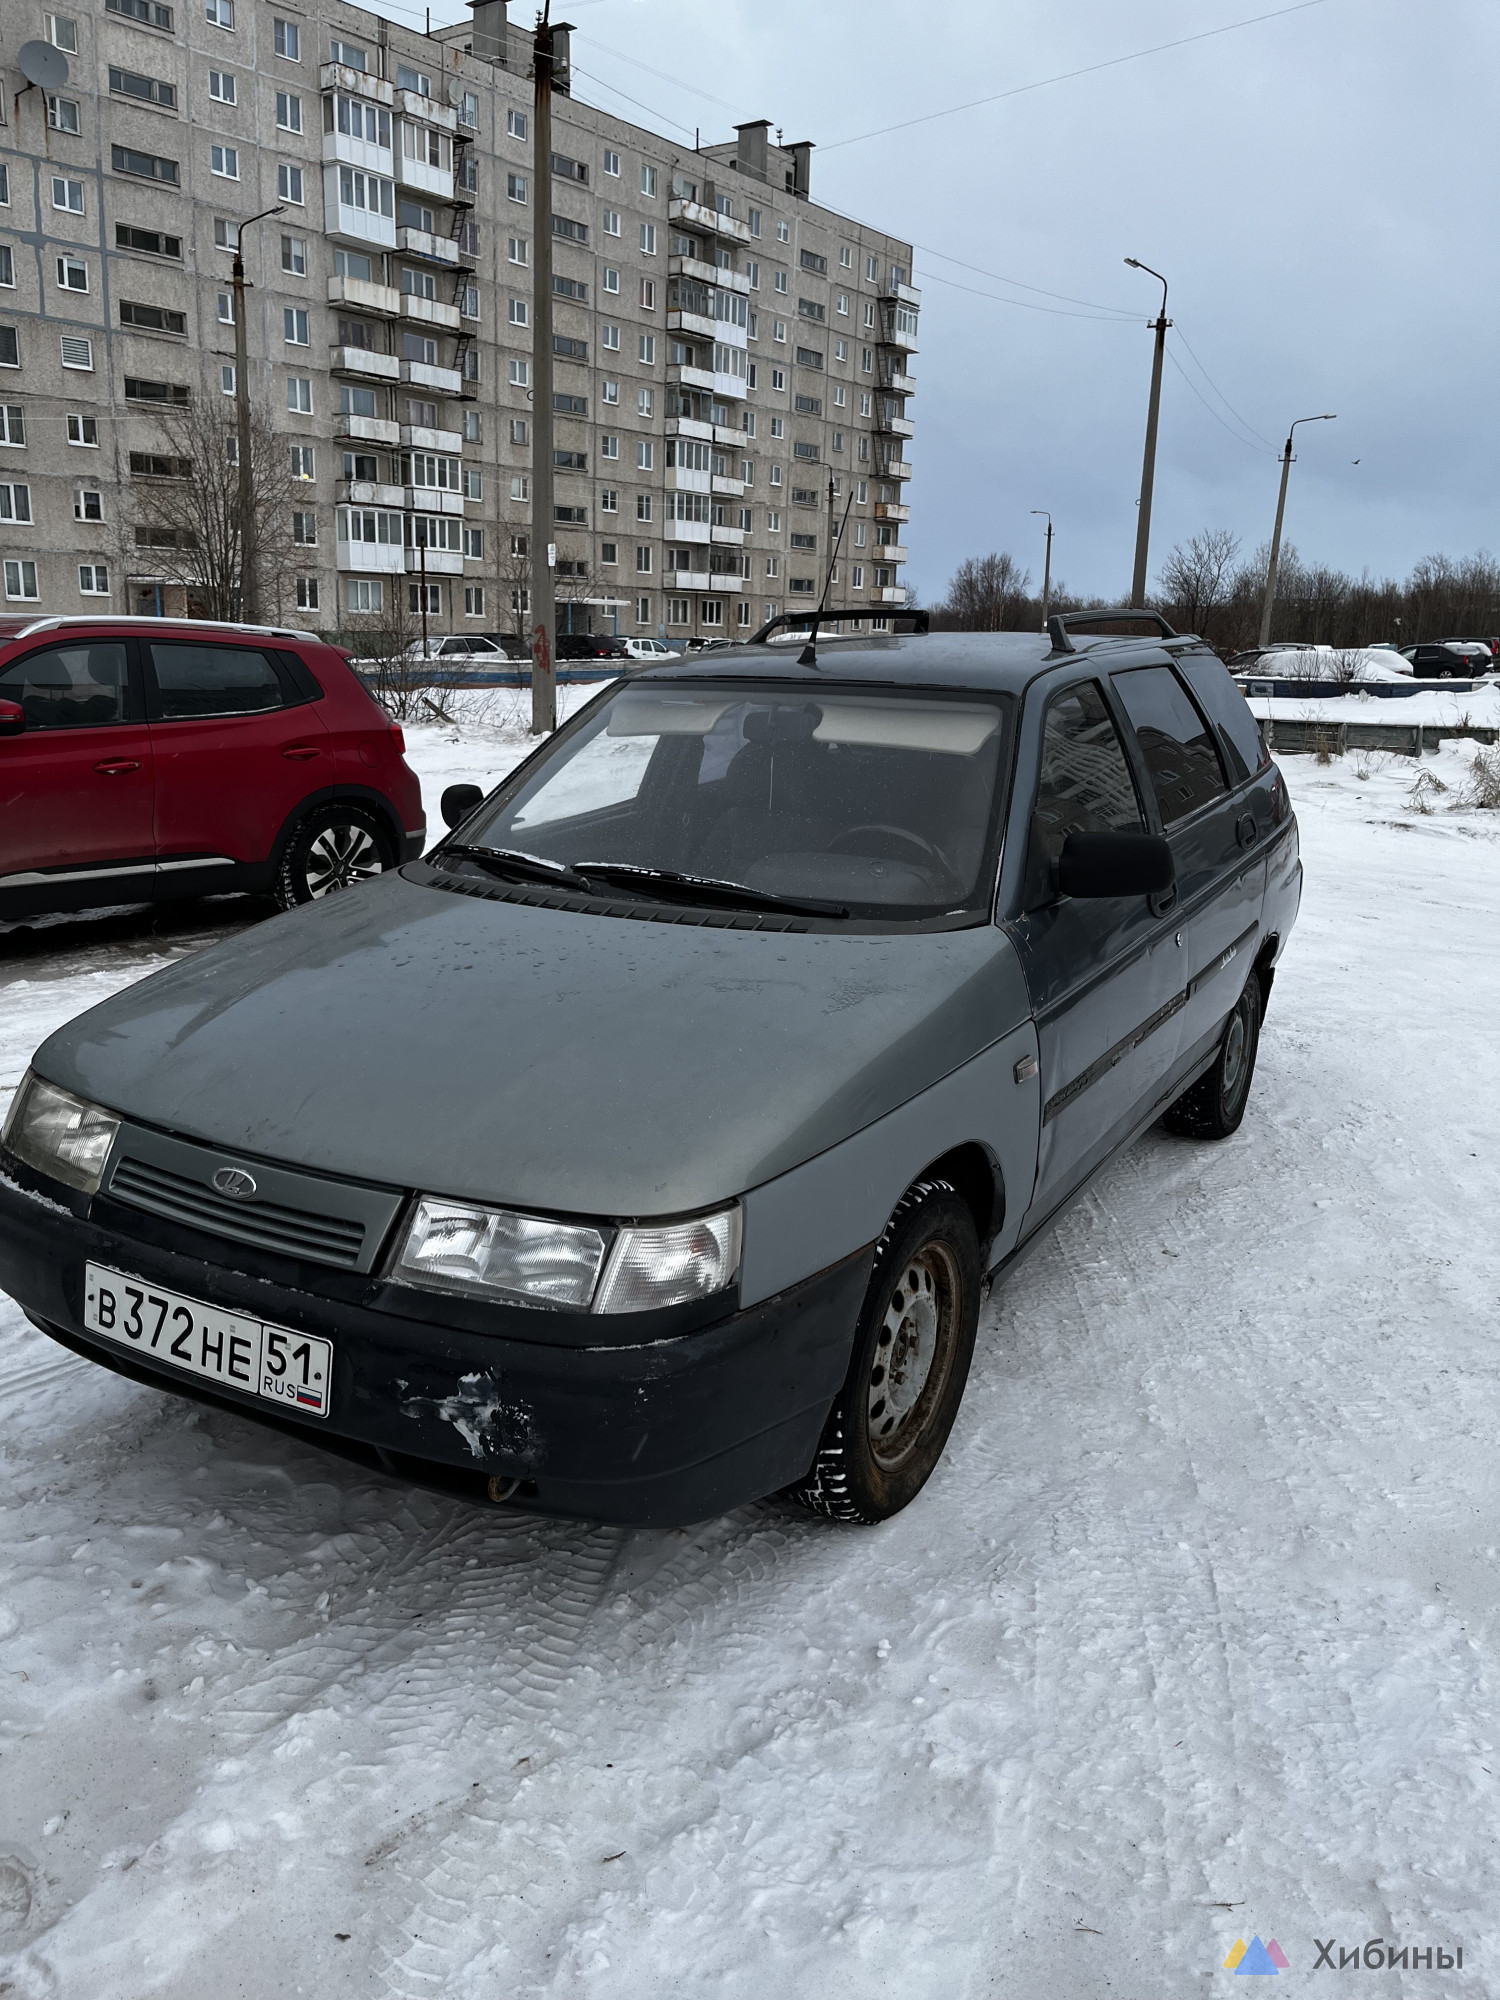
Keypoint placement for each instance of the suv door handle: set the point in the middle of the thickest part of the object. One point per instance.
(116, 767)
(1246, 831)
(301, 751)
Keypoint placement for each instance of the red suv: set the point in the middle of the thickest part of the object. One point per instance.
(148, 758)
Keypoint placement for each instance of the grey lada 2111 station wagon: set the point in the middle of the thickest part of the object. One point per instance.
(647, 1146)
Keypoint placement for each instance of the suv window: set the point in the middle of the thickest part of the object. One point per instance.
(1178, 745)
(1239, 732)
(1084, 786)
(69, 687)
(214, 680)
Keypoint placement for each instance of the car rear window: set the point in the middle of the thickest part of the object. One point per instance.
(1181, 757)
(68, 687)
(198, 680)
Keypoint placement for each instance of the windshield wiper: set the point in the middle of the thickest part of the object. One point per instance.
(513, 861)
(706, 889)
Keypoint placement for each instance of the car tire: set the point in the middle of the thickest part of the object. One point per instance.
(1215, 1105)
(889, 1424)
(332, 848)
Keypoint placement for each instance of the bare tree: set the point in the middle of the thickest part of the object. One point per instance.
(388, 647)
(185, 508)
(1196, 580)
(987, 593)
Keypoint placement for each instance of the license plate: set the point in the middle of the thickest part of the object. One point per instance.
(292, 1369)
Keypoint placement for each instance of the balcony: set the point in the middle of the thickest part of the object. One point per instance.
(426, 375)
(367, 493)
(898, 328)
(689, 322)
(369, 558)
(433, 500)
(896, 468)
(889, 552)
(890, 593)
(365, 154)
(906, 295)
(356, 83)
(363, 363)
(440, 562)
(429, 312)
(427, 110)
(702, 579)
(889, 426)
(688, 531)
(436, 181)
(687, 479)
(689, 427)
(726, 434)
(442, 250)
(891, 510)
(366, 430)
(418, 437)
(694, 378)
(893, 379)
(728, 486)
(696, 216)
(364, 227)
(707, 274)
(366, 296)
(728, 388)
(732, 538)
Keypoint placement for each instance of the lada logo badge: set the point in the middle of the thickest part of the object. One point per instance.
(234, 1181)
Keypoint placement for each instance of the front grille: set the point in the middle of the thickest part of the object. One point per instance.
(324, 1239)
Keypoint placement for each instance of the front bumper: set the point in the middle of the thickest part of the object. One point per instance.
(656, 1435)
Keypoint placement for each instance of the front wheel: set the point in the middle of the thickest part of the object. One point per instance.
(1215, 1104)
(912, 1349)
(333, 848)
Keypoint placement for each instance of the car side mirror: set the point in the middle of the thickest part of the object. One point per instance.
(12, 718)
(457, 802)
(1114, 864)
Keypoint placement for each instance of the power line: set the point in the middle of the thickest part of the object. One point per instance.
(1220, 393)
(693, 88)
(1210, 408)
(1026, 305)
(1068, 76)
(1119, 312)
(616, 91)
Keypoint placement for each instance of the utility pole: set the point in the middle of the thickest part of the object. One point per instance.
(1286, 465)
(828, 577)
(422, 571)
(249, 605)
(543, 544)
(1148, 465)
(1047, 573)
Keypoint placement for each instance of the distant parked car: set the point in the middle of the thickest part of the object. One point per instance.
(143, 759)
(1449, 659)
(651, 651)
(590, 646)
(457, 646)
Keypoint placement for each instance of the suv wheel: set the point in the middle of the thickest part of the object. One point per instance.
(912, 1348)
(1215, 1105)
(332, 849)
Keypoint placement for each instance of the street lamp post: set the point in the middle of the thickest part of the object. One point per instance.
(1148, 465)
(1047, 571)
(249, 606)
(1286, 465)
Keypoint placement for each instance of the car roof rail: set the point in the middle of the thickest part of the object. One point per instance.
(1062, 624)
(896, 619)
(132, 618)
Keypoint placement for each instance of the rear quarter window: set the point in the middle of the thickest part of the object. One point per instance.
(1239, 732)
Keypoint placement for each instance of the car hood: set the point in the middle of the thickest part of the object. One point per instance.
(400, 1034)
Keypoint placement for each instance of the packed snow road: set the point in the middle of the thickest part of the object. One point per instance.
(1191, 1638)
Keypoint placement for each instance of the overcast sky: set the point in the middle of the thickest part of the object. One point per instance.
(1319, 189)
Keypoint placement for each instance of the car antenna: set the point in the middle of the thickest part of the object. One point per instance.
(808, 657)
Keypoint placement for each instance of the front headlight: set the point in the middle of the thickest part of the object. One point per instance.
(666, 1264)
(60, 1135)
(494, 1253)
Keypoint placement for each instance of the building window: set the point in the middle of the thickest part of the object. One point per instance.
(473, 544)
(468, 303)
(778, 427)
(147, 166)
(648, 181)
(307, 593)
(648, 239)
(299, 394)
(515, 187)
(643, 506)
(221, 86)
(15, 503)
(645, 402)
(288, 40)
(473, 427)
(63, 115)
(67, 194)
(468, 111)
(611, 280)
(609, 554)
(643, 562)
(515, 124)
(473, 483)
(364, 593)
(81, 430)
(646, 348)
(226, 378)
(72, 274)
(645, 454)
(775, 475)
(520, 312)
(289, 186)
(225, 162)
(473, 600)
(62, 32)
(609, 447)
(93, 579)
(303, 462)
(609, 500)
(520, 373)
(520, 431)
(520, 486)
(7, 277)
(288, 112)
(88, 503)
(294, 326)
(305, 530)
(609, 392)
(20, 581)
(150, 13)
(219, 12)
(77, 353)
(13, 424)
(518, 250)
(294, 255)
(612, 222)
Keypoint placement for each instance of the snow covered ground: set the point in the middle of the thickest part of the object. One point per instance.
(1192, 1637)
(1432, 707)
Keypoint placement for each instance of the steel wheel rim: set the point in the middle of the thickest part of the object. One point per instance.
(913, 1351)
(1236, 1052)
(340, 855)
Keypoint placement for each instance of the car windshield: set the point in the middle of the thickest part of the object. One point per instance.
(870, 803)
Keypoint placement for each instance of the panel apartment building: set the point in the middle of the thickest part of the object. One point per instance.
(722, 345)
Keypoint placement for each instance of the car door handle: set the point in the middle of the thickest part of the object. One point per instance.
(300, 752)
(1246, 831)
(116, 767)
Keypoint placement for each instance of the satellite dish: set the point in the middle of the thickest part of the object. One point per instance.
(42, 64)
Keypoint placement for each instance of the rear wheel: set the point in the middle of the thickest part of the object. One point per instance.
(1215, 1105)
(912, 1349)
(332, 849)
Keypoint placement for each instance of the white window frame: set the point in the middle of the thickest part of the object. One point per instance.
(299, 395)
(224, 162)
(94, 572)
(287, 39)
(18, 573)
(69, 264)
(69, 188)
(221, 87)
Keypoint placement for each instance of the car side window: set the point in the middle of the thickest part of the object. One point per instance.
(1178, 745)
(69, 687)
(208, 680)
(1239, 732)
(1083, 786)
